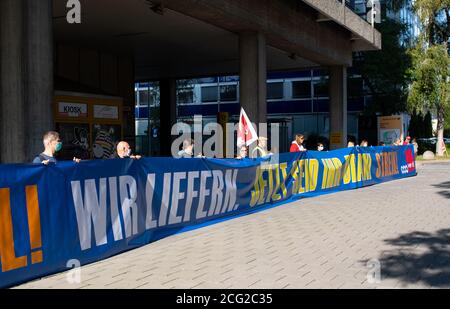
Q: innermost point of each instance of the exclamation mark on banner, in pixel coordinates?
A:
(8, 257)
(34, 224)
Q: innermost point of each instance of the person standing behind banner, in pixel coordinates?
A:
(364, 143)
(52, 145)
(261, 149)
(297, 144)
(416, 146)
(123, 151)
(407, 141)
(243, 151)
(188, 149)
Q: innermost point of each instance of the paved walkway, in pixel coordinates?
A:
(322, 242)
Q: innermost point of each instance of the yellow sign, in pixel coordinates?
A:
(336, 138)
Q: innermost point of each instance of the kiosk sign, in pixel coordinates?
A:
(74, 110)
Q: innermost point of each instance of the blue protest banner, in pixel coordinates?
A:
(50, 215)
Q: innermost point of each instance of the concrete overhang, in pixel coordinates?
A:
(291, 25)
(364, 36)
(191, 38)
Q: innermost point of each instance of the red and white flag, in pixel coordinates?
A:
(246, 134)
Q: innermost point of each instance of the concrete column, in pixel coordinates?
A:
(168, 112)
(338, 107)
(12, 111)
(39, 77)
(253, 75)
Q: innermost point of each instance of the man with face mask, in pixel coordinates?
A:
(123, 151)
(52, 145)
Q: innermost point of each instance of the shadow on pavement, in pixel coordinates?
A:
(446, 187)
(419, 258)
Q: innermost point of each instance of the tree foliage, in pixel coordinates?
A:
(430, 88)
(385, 72)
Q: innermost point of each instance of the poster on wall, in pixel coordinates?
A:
(390, 128)
(106, 112)
(75, 138)
(105, 139)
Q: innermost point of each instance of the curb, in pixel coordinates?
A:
(422, 163)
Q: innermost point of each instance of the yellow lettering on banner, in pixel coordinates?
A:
(276, 196)
(360, 167)
(301, 165)
(338, 171)
(306, 175)
(331, 173)
(7, 251)
(256, 191)
(367, 175)
(283, 167)
(294, 174)
(325, 173)
(269, 168)
(328, 173)
(312, 174)
(353, 167)
(347, 170)
(262, 187)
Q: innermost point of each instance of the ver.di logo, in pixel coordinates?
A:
(8, 258)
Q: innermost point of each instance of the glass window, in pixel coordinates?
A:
(355, 87)
(154, 97)
(209, 94)
(136, 97)
(143, 96)
(275, 91)
(185, 96)
(228, 93)
(301, 89)
(321, 88)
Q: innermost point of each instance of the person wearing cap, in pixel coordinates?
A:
(407, 141)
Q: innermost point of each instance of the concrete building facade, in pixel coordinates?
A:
(118, 43)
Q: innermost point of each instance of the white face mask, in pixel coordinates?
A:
(128, 153)
(320, 148)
